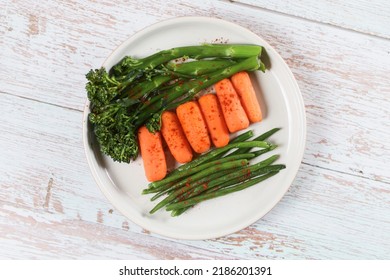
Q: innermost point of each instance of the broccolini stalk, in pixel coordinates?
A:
(103, 87)
(199, 67)
(169, 99)
(129, 66)
(143, 89)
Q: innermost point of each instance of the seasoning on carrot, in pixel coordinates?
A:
(244, 88)
(173, 135)
(152, 154)
(233, 112)
(215, 121)
(194, 126)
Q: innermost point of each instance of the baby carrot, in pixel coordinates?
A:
(233, 112)
(173, 135)
(215, 121)
(152, 154)
(243, 86)
(194, 126)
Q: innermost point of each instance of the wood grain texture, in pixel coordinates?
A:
(350, 14)
(50, 207)
(50, 47)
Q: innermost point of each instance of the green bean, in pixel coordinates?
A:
(163, 190)
(213, 153)
(200, 198)
(213, 187)
(185, 183)
(240, 175)
(178, 212)
(242, 137)
(187, 172)
(262, 137)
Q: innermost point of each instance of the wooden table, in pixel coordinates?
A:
(338, 207)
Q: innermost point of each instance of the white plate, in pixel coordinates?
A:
(282, 106)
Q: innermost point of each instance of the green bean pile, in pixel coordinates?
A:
(216, 173)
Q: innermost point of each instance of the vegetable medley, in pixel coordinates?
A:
(140, 105)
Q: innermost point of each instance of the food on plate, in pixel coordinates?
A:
(244, 88)
(136, 91)
(215, 153)
(141, 104)
(215, 121)
(233, 112)
(164, 184)
(173, 135)
(198, 179)
(211, 175)
(194, 126)
(152, 153)
(217, 188)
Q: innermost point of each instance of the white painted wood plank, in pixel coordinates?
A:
(46, 49)
(343, 75)
(46, 185)
(370, 17)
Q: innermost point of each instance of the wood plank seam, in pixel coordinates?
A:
(346, 173)
(41, 101)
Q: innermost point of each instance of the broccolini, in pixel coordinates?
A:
(135, 92)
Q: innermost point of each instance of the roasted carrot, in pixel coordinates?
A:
(215, 121)
(233, 112)
(194, 126)
(244, 88)
(173, 135)
(152, 154)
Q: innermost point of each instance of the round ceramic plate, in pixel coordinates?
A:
(282, 106)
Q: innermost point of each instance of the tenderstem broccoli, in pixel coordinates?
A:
(136, 91)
